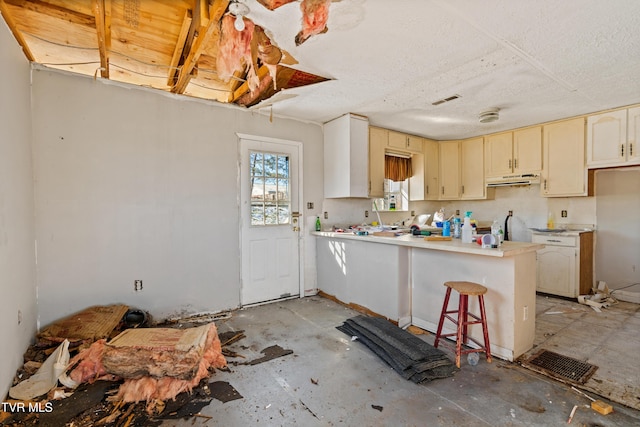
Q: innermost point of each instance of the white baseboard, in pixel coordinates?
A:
(627, 296)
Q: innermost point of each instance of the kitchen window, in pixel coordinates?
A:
(396, 196)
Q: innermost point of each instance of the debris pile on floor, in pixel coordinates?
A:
(600, 299)
(114, 368)
(407, 354)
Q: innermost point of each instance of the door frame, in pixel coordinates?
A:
(301, 220)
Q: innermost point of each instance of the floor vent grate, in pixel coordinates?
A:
(560, 367)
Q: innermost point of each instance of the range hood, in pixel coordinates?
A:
(515, 179)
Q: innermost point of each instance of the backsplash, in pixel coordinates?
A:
(530, 210)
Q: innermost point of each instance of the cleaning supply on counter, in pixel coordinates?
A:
(467, 232)
(496, 231)
(456, 227)
(446, 228)
(551, 221)
(318, 224)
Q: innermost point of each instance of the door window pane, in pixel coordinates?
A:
(270, 184)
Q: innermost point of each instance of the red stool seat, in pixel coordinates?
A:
(462, 319)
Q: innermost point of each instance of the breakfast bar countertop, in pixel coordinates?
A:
(507, 248)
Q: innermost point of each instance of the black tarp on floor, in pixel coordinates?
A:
(407, 354)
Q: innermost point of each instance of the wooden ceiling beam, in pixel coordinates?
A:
(17, 34)
(102, 12)
(244, 87)
(199, 41)
(180, 45)
(54, 11)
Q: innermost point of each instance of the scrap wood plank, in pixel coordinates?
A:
(93, 323)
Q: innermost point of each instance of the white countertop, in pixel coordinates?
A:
(455, 245)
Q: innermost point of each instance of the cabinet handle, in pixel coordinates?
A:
(463, 189)
(509, 163)
(553, 240)
(545, 184)
(515, 164)
(631, 149)
(443, 190)
(427, 188)
(622, 150)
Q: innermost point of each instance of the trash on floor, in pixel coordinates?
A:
(91, 324)
(597, 405)
(600, 299)
(407, 354)
(46, 378)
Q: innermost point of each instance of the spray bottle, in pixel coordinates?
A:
(467, 233)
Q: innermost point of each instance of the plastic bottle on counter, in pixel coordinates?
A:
(551, 221)
(456, 228)
(467, 232)
(318, 224)
(446, 229)
(495, 230)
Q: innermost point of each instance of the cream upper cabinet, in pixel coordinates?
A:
(517, 152)
(345, 157)
(612, 138)
(472, 169)
(498, 154)
(450, 170)
(527, 150)
(431, 169)
(377, 143)
(564, 168)
(405, 142)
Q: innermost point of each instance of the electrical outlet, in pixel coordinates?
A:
(137, 285)
(366, 214)
(510, 213)
(458, 212)
(563, 214)
(309, 205)
(525, 313)
(326, 215)
(413, 213)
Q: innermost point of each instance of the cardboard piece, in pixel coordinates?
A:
(91, 324)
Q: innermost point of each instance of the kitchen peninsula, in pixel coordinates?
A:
(401, 278)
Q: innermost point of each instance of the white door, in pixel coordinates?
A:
(270, 225)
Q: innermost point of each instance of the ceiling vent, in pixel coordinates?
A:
(443, 100)
(489, 116)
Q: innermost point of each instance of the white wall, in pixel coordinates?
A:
(618, 238)
(17, 263)
(138, 184)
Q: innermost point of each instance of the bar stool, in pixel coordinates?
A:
(462, 319)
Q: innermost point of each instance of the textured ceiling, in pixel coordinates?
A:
(537, 61)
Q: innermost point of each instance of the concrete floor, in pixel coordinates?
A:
(351, 379)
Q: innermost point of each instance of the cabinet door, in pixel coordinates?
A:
(527, 150)
(431, 170)
(414, 144)
(449, 170)
(564, 170)
(633, 136)
(397, 140)
(607, 138)
(472, 169)
(557, 271)
(498, 154)
(377, 142)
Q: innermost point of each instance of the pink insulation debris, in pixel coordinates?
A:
(234, 51)
(274, 4)
(315, 14)
(87, 365)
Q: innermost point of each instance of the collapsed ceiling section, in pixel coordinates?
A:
(201, 48)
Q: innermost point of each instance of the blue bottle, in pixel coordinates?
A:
(446, 229)
(456, 229)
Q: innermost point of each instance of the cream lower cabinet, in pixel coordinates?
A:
(612, 138)
(564, 170)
